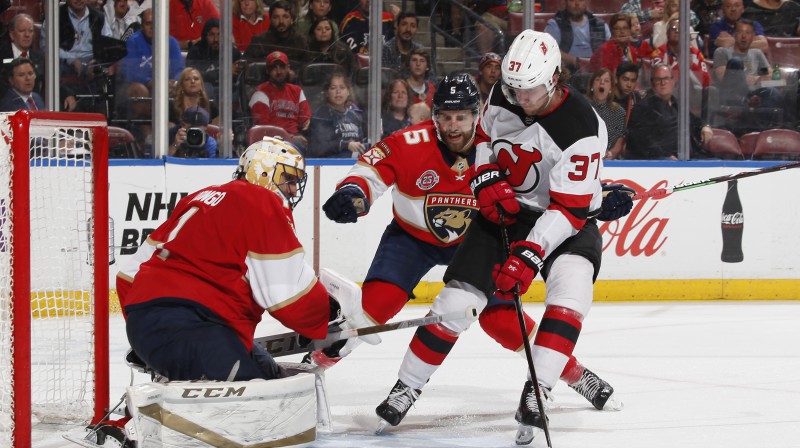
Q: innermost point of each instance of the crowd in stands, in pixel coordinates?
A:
(300, 65)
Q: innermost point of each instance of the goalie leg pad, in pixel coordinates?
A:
(348, 294)
(278, 412)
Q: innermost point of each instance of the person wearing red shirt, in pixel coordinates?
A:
(668, 54)
(618, 48)
(280, 103)
(187, 17)
(249, 19)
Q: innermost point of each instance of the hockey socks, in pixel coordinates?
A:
(382, 300)
(501, 324)
(555, 340)
(428, 349)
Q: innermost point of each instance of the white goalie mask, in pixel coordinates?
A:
(276, 165)
(531, 61)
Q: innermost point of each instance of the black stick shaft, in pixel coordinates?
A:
(525, 342)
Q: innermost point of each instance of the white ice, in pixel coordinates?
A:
(711, 375)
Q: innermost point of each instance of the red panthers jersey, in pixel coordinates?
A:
(432, 198)
(554, 161)
(235, 267)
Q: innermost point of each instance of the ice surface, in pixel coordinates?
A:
(711, 375)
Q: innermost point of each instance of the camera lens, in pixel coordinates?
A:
(195, 137)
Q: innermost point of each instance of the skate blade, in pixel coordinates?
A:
(526, 434)
(81, 441)
(382, 424)
(613, 403)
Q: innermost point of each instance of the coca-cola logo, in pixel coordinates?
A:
(642, 231)
(733, 218)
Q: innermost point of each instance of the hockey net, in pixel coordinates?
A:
(54, 257)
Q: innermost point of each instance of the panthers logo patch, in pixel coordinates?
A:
(449, 215)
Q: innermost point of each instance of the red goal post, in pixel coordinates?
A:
(54, 257)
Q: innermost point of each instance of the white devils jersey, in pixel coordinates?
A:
(553, 162)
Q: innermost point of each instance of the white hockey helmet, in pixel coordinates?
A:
(274, 163)
(531, 61)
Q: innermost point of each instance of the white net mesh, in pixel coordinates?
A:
(61, 275)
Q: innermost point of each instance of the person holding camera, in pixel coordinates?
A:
(190, 138)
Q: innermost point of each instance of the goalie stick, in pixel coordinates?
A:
(661, 192)
(285, 344)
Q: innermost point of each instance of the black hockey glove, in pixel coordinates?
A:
(346, 204)
(617, 202)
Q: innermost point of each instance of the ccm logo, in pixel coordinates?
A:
(213, 392)
(533, 257)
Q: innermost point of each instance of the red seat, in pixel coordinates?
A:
(256, 133)
(747, 143)
(724, 145)
(515, 23)
(122, 144)
(777, 144)
(34, 8)
(784, 51)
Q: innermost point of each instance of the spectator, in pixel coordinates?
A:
(282, 36)
(578, 33)
(618, 48)
(668, 54)
(707, 12)
(396, 100)
(20, 45)
(355, 28)
(780, 18)
(190, 137)
(190, 93)
(417, 74)
(187, 17)
(653, 127)
(21, 79)
(324, 46)
(489, 68)
(136, 71)
(280, 103)
(625, 93)
(740, 68)
(341, 8)
(418, 113)
(397, 49)
(721, 31)
(317, 9)
(120, 17)
(643, 48)
(80, 27)
(249, 20)
(644, 15)
(671, 11)
(601, 97)
(205, 57)
(337, 127)
(495, 12)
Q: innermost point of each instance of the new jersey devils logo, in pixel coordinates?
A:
(518, 163)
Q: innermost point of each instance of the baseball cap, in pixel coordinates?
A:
(277, 56)
(196, 116)
(488, 58)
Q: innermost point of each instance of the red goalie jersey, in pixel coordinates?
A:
(231, 248)
(432, 198)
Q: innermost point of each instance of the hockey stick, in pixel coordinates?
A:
(289, 344)
(661, 192)
(525, 342)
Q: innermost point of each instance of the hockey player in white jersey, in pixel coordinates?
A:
(540, 148)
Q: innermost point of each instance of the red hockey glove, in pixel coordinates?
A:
(492, 190)
(519, 270)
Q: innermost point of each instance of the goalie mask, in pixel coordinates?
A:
(276, 165)
(528, 68)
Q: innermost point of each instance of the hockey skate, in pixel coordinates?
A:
(103, 436)
(597, 391)
(395, 407)
(530, 419)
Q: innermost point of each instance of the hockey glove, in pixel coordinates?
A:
(492, 190)
(346, 204)
(617, 202)
(519, 270)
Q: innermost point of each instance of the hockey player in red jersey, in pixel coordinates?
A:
(539, 158)
(196, 289)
